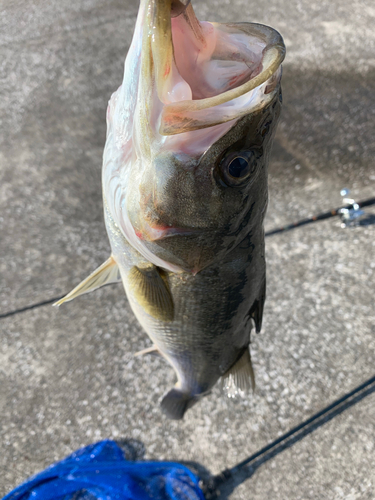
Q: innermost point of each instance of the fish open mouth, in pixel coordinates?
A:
(209, 73)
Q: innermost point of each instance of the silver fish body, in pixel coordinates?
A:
(185, 191)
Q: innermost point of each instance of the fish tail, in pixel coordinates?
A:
(175, 403)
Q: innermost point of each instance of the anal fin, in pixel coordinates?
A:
(107, 273)
(240, 377)
(151, 292)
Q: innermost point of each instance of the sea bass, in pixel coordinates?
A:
(189, 134)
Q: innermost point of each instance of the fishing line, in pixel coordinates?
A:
(303, 222)
(250, 464)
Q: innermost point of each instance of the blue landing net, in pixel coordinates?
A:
(101, 472)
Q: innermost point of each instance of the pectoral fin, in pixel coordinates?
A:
(240, 377)
(107, 273)
(151, 292)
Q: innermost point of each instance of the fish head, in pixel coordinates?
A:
(201, 106)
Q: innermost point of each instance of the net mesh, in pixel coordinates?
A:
(101, 472)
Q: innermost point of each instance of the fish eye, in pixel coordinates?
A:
(237, 168)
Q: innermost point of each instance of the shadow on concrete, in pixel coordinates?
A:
(133, 449)
(369, 220)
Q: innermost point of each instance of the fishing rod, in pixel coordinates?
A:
(348, 213)
(211, 487)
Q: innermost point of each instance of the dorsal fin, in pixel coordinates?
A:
(107, 273)
(240, 377)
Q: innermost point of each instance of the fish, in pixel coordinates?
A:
(189, 135)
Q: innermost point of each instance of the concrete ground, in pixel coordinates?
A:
(68, 376)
